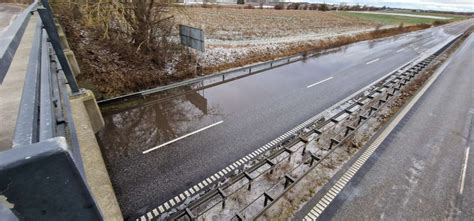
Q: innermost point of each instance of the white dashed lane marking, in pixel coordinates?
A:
(464, 168)
(375, 60)
(182, 137)
(319, 82)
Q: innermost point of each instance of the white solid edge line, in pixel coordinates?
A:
(375, 60)
(400, 50)
(182, 137)
(464, 168)
(391, 126)
(319, 82)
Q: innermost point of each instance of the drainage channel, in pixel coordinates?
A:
(251, 192)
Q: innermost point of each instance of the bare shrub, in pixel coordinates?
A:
(124, 46)
(324, 7)
(279, 7)
(313, 7)
(249, 6)
(293, 6)
(439, 22)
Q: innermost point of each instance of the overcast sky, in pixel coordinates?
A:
(442, 5)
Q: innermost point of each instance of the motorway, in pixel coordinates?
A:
(231, 120)
(424, 169)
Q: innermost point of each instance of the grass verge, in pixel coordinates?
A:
(390, 19)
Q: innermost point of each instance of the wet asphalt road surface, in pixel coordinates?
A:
(254, 110)
(423, 170)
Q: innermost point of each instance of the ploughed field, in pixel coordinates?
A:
(233, 35)
(248, 24)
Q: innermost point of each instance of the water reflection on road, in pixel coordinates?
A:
(165, 116)
(155, 122)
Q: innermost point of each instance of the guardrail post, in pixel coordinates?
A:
(190, 214)
(267, 198)
(48, 22)
(361, 118)
(348, 129)
(333, 141)
(318, 132)
(288, 180)
(239, 217)
(269, 162)
(247, 175)
(223, 195)
(289, 151)
(305, 140)
(313, 158)
(372, 109)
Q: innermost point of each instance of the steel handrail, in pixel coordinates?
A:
(11, 38)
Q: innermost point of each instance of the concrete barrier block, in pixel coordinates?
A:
(62, 36)
(93, 111)
(72, 62)
(88, 120)
(63, 39)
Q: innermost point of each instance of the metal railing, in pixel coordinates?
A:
(206, 81)
(42, 175)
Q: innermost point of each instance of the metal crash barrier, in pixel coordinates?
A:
(42, 175)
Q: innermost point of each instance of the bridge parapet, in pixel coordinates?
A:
(53, 168)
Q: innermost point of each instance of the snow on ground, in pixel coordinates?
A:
(233, 34)
(228, 51)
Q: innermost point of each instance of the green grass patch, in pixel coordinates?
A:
(390, 19)
(455, 17)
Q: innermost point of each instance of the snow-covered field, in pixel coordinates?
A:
(233, 34)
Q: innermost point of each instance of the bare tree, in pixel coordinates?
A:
(149, 23)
